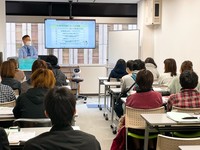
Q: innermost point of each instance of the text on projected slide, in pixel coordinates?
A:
(69, 34)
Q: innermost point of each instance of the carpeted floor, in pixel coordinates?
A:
(91, 120)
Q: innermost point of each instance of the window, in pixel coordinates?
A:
(15, 31)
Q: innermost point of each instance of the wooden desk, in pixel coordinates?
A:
(189, 147)
(108, 85)
(101, 80)
(161, 123)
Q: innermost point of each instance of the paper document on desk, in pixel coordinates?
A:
(6, 110)
(183, 117)
(17, 137)
(157, 89)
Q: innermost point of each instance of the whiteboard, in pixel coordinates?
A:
(123, 45)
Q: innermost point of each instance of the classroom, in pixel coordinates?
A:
(109, 74)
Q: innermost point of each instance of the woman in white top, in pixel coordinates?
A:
(152, 67)
(170, 72)
(175, 85)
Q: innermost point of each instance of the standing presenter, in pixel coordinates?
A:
(27, 51)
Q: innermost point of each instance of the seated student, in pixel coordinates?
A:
(128, 79)
(170, 72)
(175, 85)
(36, 65)
(6, 94)
(139, 64)
(60, 106)
(144, 98)
(19, 75)
(127, 82)
(151, 66)
(31, 103)
(119, 70)
(188, 97)
(8, 74)
(4, 144)
(59, 75)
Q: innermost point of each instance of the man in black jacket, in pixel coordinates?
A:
(60, 108)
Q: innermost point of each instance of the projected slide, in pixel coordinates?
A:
(69, 33)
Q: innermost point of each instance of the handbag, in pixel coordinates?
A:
(118, 104)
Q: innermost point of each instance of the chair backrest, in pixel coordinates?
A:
(133, 117)
(8, 104)
(27, 122)
(172, 143)
(186, 110)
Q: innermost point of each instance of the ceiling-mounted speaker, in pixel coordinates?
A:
(153, 12)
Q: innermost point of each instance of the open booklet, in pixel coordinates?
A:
(6, 110)
(183, 117)
(17, 137)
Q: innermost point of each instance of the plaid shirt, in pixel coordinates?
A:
(186, 98)
(6, 94)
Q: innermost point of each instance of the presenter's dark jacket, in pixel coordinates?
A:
(63, 138)
(30, 104)
(13, 83)
(4, 145)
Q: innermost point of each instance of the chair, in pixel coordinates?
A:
(76, 78)
(172, 143)
(134, 120)
(186, 110)
(189, 134)
(8, 104)
(27, 122)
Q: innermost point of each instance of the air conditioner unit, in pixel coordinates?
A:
(153, 12)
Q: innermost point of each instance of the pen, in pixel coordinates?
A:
(190, 118)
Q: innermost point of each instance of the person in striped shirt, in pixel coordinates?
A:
(6, 93)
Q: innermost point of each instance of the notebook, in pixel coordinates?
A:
(183, 117)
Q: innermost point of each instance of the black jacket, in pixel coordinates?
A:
(30, 104)
(13, 83)
(60, 77)
(4, 144)
(63, 138)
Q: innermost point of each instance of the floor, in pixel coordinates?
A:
(91, 120)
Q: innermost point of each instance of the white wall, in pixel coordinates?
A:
(179, 33)
(90, 74)
(2, 25)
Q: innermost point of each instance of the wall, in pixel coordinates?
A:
(90, 74)
(178, 36)
(2, 25)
